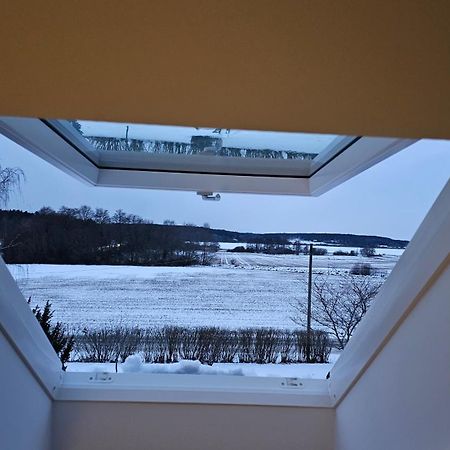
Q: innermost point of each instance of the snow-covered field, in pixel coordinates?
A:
(329, 248)
(241, 290)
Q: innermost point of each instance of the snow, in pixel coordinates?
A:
(378, 251)
(299, 263)
(231, 245)
(242, 290)
(134, 364)
(329, 248)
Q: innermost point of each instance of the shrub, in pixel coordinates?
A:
(368, 252)
(238, 249)
(342, 253)
(362, 269)
(206, 344)
(320, 346)
(319, 251)
(266, 345)
(61, 340)
(108, 344)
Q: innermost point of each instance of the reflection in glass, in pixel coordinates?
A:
(174, 140)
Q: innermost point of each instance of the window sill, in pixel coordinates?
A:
(199, 389)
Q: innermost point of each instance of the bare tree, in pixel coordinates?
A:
(101, 216)
(10, 178)
(339, 308)
(85, 212)
(368, 252)
(46, 211)
(120, 216)
(133, 218)
(69, 212)
(207, 252)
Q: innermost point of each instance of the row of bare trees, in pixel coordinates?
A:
(74, 236)
(206, 344)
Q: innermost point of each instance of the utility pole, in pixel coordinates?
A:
(308, 319)
(127, 143)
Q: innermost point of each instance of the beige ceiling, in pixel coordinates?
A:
(348, 67)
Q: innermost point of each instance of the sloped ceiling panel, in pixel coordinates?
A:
(357, 68)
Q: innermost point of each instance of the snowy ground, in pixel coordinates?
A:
(329, 248)
(316, 371)
(241, 290)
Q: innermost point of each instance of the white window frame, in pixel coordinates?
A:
(52, 146)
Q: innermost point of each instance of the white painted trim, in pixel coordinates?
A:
(362, 155)
(423, 261)
(34, 136)
(268, 177)
(24, 333)
(178, 388)
(203, 183)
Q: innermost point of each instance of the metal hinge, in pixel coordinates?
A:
(101, 377)
(292, 382)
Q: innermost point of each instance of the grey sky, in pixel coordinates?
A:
(390, 199)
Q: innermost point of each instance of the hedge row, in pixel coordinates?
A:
(206, 344)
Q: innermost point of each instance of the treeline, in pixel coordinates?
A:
(94, 236)
(208, 345)
(86, 236)
(296, 248)
(332, 239)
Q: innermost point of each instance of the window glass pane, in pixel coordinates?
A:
(202, 150)
(174, 140)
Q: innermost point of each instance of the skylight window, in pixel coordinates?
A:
(216, 150)
(175, 297)
(161, 290)
(199, 159)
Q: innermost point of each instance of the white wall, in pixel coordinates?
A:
(108, 425)
(25, 408)
(402, 401)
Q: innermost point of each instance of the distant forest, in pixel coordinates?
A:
(93, 236)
